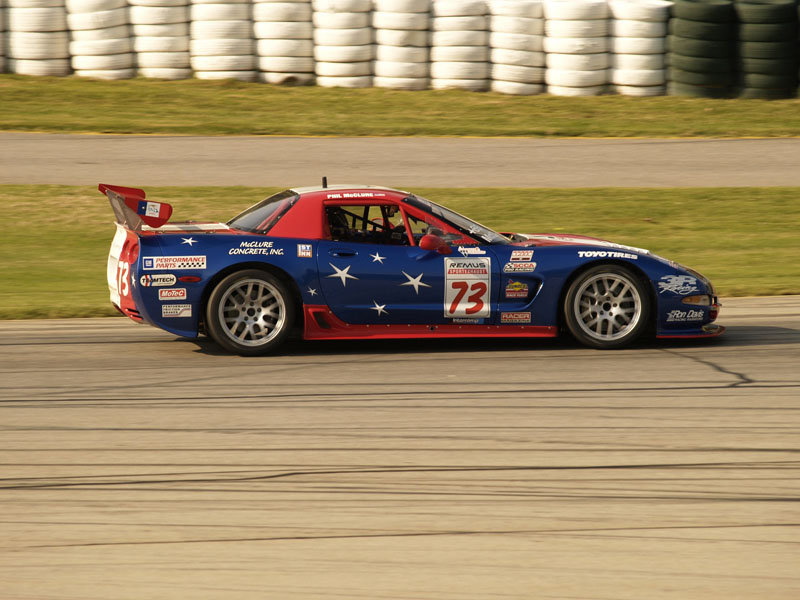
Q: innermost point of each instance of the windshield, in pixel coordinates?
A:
(261, 217)
(457, 221)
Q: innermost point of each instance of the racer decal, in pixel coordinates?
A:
(304, 251)
(414, 281)
(515, 317)
(606, 254)
(172, 294)
(342, 274)
(521, 255)
(176, 310)
(526, 267)
(467, 287)
(173, 263)
(516, 289)
(262, 248)
(675, 316)
(157, 280)
(683, 285)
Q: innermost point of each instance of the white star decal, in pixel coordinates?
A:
(189, 241)
(312, 291)
(473, 230)
(380, 308)
(415, 281)
(377, 257)
(342, 274)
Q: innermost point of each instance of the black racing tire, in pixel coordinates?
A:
(714, 11)
(768, 66)
(250, 312)
(703, 48)
(695, 78)
(768, 32)
(768, 94)
(675, 88)
(700, 64)
(787, 49)
(703, 30)
(607, 306)
(766, 11)
(759, 80)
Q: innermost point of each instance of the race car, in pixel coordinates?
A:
(365, 262)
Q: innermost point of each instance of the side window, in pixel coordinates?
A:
(367, 223)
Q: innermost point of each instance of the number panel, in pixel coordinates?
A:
(468, 282)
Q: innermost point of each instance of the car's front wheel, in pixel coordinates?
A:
(607, 306)
(250, 312)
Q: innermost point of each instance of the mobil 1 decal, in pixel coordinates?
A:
(467, 286)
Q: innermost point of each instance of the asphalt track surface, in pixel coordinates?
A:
(137, 465)
(141, 161)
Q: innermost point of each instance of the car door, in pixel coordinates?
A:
(396, 281)
(367, 283)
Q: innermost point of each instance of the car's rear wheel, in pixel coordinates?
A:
(250, 312)
(607, 306)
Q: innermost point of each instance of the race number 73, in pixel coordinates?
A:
(467, 287)
(123, 271)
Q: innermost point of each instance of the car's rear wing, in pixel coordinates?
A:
(132, 211)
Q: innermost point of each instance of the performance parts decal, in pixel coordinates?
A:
(173, 263)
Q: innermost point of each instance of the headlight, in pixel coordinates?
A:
(702, 300)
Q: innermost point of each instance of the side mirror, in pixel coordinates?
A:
(434, 242)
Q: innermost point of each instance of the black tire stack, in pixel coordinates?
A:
(701, 49)
(767, 48)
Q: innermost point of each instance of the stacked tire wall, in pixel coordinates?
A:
(702, 48)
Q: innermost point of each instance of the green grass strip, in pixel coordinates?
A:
(54, 239)
(195, 107)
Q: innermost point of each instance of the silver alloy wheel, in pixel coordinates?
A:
(607, 306)
(252, 312)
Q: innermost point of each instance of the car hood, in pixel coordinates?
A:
(554, 239)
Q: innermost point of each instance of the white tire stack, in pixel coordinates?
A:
(516, 48)
(101, 44)
(459, 45)
(576, 43)
(221, 44)
(402, 52)
(284, 46)
(37, 39)
(638, 32)
(343, 43)
(161, 38)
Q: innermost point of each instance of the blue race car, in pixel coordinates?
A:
(358, 262)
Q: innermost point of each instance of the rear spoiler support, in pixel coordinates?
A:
(132, 210)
